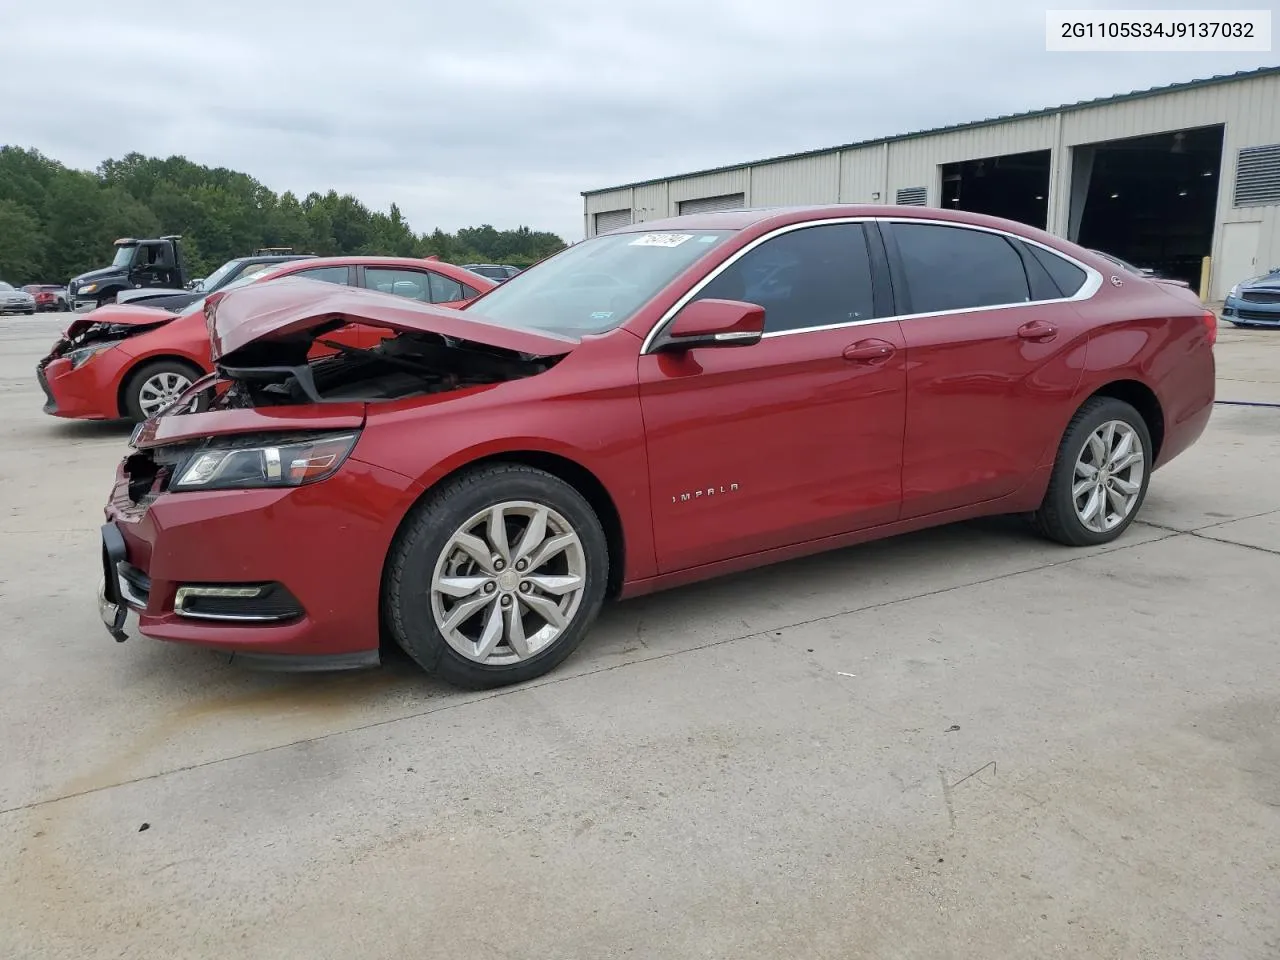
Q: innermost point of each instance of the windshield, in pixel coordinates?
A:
(598, 284)
(210, 283)
(124, 256)
(5, 286)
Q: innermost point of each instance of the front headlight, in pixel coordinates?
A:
(288, 461)
(1234, 291)
(87, 288)
(82, 355)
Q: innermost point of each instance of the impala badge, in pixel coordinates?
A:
(705, 492)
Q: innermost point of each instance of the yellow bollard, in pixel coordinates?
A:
(1204, 279)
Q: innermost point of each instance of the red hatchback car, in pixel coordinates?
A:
(132, 361)
(650, 407)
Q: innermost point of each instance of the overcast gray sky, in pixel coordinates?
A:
(502, 112)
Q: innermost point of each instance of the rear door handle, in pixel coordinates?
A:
(1037, 330)
(869, 351)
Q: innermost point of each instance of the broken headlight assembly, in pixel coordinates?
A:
(82, 355)
(234, 463)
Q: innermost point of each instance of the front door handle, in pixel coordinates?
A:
(1037, 330)
(869, 351)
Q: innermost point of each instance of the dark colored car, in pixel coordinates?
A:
(228, 273)
(127, 360)
(1255, 302)
(49, 297)
(650, 407)
(499, 272)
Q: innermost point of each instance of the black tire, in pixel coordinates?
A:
(1057, 518)
(423, 537)
(131, 399)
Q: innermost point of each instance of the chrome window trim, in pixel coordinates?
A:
(1092, 283)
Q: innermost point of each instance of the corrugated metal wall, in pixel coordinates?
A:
(1249, 109)
(796, 182)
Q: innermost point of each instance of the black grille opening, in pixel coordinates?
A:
(1270, 316)
(273, 603)
(1261, 296)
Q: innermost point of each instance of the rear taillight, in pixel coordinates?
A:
(1211, 326)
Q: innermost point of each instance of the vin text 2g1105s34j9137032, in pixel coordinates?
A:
(650, 407)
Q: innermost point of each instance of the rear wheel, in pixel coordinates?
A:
(496, 577)
(154, 386)
(1100, 476)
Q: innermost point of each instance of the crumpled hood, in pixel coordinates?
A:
(295, 307)
(123, 315)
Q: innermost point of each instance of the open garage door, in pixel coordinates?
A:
(728, 201)
(1149, 200)
(1014, 186)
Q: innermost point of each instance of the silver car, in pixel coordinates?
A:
(15, 301)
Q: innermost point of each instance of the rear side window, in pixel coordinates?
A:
(1066, 275)
(326, 274)
(955, 268)
(814, 277)
(444, 289)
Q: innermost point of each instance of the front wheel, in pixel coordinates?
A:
(1100, 476)
(154, 386)
(496, 577)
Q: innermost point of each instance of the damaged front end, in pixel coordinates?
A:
(407, 365)
(265, 339)
(84, 338)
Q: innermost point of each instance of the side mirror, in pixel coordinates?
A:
(715, 323)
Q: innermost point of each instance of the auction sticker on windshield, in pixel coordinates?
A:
(661, 239)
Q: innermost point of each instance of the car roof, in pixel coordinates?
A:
(768, 218)
(448, 269)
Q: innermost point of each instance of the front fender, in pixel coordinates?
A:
(599, 432)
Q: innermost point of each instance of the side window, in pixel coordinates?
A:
(812, 277)
(469, 293)
(411, 284)
(955, 268)
(254, 269)
(445, 289)
(1066, 275)
(326, 274)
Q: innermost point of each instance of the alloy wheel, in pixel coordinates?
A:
(1108, 476)
(160, 391)
(508, 583)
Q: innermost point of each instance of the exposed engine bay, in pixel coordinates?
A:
(85, 334)
(277, 372)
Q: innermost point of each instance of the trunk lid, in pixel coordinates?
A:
(293, 308)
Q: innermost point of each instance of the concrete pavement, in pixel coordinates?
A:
(961, 743)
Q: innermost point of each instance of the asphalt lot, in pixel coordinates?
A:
(962, 743)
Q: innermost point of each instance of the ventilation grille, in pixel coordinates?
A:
(1258, 176)
(728, 201)
(912, 196)
(612, 220)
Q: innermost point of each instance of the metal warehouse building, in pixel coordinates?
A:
(1163, 178)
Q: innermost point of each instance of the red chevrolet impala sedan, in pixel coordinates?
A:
(670, 402)
(123, 361)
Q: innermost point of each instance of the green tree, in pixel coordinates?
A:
(56, 222)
